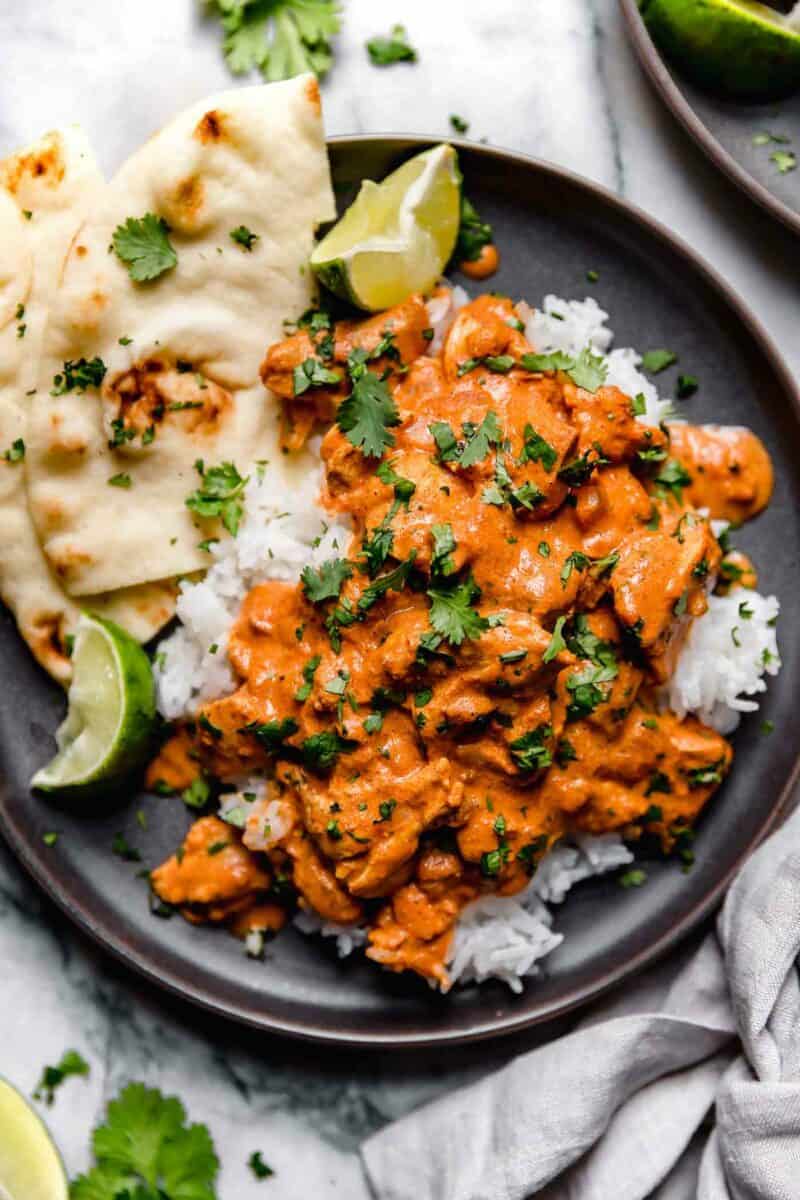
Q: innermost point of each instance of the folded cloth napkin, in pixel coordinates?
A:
(617, 1108)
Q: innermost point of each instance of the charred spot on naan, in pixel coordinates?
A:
(213, 126)
(312, 93)
(158, 391)
(47, 639)
(45, 164)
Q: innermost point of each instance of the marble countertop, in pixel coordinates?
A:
(554, 78)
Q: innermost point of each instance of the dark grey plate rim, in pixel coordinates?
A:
(671, 94)
(179, 983)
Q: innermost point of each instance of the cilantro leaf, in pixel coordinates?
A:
(536, 449)
(143, 244)
(395, 581)
(16, 451)
(220, 494)
(589, 370)
(321, 751)
(257, 1165)
(384, 51)
(673, 477)
(479, 440)
(578, 471)
(530, 752)
(280, 38)
(452, 614)
(70, 1063)
(78, 375)
(473, 234)
(654, 361)
(326, 582)
(313, 373)
(403, 488)
(557, 361)
(557, 643)
(367, 413)
(272, 734)
(146, 1150)
(444, 543)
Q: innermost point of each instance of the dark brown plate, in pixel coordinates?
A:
(725, 131)
(551, 227)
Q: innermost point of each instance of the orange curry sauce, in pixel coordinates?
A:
(477, 678)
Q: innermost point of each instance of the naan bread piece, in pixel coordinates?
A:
(45, 194)
(186, 385)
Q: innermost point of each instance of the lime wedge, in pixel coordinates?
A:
(739, 48)
(110, 715)
(30, 1166)
(396, 236)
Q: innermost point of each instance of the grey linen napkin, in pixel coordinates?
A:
(617, 1108)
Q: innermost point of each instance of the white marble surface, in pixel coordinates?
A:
(555, 78)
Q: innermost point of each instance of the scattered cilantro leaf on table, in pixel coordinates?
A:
(143, 244)
(71, 1063)
(385, 51)
(279, 38)
(146, 1151)
(784, 160)
(257, 1165)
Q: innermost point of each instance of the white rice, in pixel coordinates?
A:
(724, 659)
(720, 669)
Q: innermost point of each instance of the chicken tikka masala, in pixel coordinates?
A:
(476, 676)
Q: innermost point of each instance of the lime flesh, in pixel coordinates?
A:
(397, 235)
(110, 715)
(30, 1166)
(741, 49)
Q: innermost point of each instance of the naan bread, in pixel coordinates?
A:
(252, 157)
(45, 193)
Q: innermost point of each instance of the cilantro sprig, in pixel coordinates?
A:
(146, 1150)
(368, 413)
(279, 38)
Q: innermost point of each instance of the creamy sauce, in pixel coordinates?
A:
(420, 773)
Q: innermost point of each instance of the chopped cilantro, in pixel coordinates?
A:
(16, 451)
(70, 1063)
(78, 375)
(785, 160)
(686, 386)
(220, 494)
(257, 1165)
(122, 480)
(529, 752)
(312, 373)
(321, 751)
(557, 643)
(587, 371)
(123, 850)
(243, 237)
(585, 692)
(473, 234)
(385, 810)
(578, 471)
(143, 244)
(655, 361)
(639, 405)
(458, 124)
(309, 670)
(536, 449)
(403, 488)
(674, 478)
(394, 581)
(635, 877)
(272, 734)
(444, 544)
(395, 48)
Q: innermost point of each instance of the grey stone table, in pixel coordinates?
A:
(554, 78)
